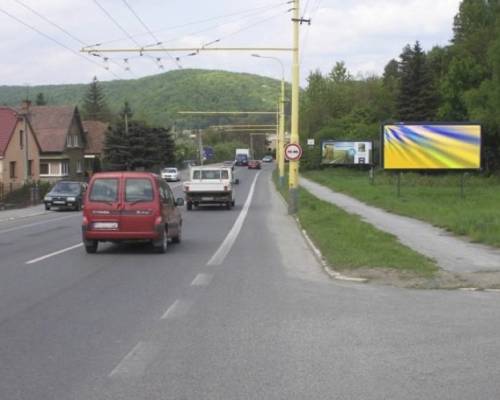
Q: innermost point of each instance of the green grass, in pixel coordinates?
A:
(347, 243)
(432, 198)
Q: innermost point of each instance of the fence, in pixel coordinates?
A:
(18, 194)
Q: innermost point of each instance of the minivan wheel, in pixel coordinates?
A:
(91, 246)
(177, 239)
(161, 244)
(47, 207)
(189, 206)
(78, 206)
(228, 205)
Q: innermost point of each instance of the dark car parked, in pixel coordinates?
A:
(67, 194)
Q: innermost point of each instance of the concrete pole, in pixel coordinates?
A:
(293, 180)
(281, 137)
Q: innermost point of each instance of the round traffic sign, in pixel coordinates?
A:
(293, 152)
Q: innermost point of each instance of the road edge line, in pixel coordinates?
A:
(228, 242)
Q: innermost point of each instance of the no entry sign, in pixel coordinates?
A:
(293, 152)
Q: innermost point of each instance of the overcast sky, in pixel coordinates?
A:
(365, 34)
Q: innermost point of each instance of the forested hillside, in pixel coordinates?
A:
(157, 98)
(458, 82)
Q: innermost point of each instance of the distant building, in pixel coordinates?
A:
(19, 149)
(60, 133)
(95, 134)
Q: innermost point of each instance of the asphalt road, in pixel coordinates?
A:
(253, 319)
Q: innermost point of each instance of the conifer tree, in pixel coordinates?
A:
(95, 106)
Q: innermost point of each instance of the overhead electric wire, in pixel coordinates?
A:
(117, 24)
(314, 10)
(65, 31)
(56, 41)
(175, 60)
(196, 22)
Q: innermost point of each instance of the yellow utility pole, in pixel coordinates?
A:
(280, 142)
(293, 178)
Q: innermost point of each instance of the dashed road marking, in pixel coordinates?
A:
(177, 309)
(37, 223)
(55, 253)
(134, 364)
(202, 280)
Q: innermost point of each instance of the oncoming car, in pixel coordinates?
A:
(254, 164)
(170, 174)
(66, 194)
(124, 206)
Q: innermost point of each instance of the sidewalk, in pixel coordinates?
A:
(9, 215)
(452, 253)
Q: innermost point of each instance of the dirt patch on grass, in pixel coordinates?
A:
(440, 280)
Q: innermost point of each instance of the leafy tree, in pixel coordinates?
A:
(340, 73)
(95, 106)
(40, 99)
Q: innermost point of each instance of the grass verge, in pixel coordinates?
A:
(432, 198)
(349, 244)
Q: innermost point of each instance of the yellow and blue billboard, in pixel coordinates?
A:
(431, 146)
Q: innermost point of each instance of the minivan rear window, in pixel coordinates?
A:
(104, 189)
(138, 189)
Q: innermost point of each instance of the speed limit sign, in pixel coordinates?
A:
(293, 152)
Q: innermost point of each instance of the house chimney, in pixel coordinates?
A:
(25, 107)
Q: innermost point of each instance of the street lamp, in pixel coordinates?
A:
(280, 145)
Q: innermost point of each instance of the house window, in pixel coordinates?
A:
(68, 141)
(44, 168)
(12, 169)
(30, 167)
(65, 168)
(21, 139)
(79, 167)
(75, 141)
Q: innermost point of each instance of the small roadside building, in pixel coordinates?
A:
(19, 150)
(95, 134)
(60, 133)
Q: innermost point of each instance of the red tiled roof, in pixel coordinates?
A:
(51, 125)
(8, 122)
(95, 135)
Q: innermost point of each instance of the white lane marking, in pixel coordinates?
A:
(177, 309)
(55, 253)
(37, 223)
(231, 237)
(134, 364)
(202, 280)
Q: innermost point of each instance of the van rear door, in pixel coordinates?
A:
(103, 206)
(140, 205)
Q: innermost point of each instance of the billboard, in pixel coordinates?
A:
(343, 152)
(431, 146)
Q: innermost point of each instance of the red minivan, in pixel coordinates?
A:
(130, 206)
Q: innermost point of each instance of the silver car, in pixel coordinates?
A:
(170, 174)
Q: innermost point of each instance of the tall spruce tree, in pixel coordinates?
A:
(40, 99)
(417, 97)
(139, 147)
(95, 106)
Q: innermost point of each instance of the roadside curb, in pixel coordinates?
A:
(317, 253)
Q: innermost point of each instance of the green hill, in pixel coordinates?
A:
(157, 98)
